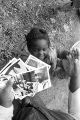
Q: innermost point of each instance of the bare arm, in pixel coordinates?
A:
(74, 89)
(6, 98)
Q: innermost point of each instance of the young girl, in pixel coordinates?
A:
(38, 44)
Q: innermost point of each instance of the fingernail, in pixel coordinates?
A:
(76, 60)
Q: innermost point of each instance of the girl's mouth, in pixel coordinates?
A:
(41, 57)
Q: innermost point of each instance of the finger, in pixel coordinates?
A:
(3, 78)
(76, 61)
(71, 64)
(2, 85)
(9, 83)
(73, 54)
(16, 70)
(78, 53)
(76, 65)
(8, 86)
(3, 81)
(69, 58)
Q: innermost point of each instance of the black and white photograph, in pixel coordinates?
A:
(15, 66)
(39, 59)
(35, 62)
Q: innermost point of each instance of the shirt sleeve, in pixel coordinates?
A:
(74, 104)
(6, 113)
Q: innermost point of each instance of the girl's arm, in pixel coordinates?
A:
(6, 98)
(74, 90)
(74, 104)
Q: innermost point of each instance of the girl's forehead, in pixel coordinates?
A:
(41, 42)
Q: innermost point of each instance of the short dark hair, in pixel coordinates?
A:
(36, 34)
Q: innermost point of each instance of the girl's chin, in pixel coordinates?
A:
(41, 58)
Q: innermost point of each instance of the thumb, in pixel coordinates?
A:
(9, 83)
(77, 65)
(78, 52)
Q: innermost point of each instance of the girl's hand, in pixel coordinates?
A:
(75, 76)
(62, 54)
(68, 63)
(6, 94)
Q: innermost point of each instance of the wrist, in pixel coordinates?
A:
(6, 103)
(74, 83)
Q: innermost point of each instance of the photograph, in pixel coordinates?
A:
(15, 66)
(39, 59)
(35, 62)
(46, 84)
(23, 89)
(40, 74)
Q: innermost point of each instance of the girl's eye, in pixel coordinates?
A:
(44, 49)
(36, 50)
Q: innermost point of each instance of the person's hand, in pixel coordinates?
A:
(62, 54)
(75, 74)
(6, 94)
(68, 63)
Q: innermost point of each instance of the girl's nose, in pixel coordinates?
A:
(41, 52)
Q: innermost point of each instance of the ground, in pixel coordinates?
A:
(62, 22)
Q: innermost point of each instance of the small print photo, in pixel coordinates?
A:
(42, 74)
(44, 85)
(15, 66)
(38, 75)
(35, 62)
(24, 89)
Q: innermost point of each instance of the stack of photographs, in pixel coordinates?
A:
(30, 77)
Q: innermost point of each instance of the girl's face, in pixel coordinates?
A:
(40, 49)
